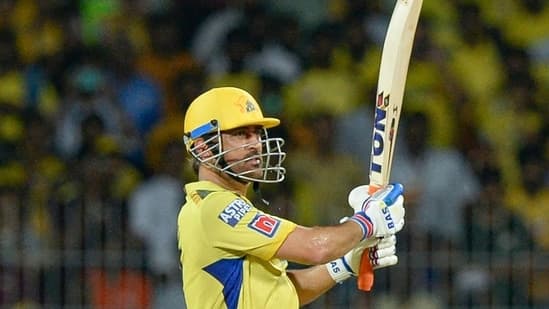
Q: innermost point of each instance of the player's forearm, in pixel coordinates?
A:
(310, 283)
(319, 245)
(334, 242)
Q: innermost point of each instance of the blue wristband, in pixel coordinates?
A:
(365, 223)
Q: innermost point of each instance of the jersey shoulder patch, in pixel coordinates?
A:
(234, 212)
(264, 224)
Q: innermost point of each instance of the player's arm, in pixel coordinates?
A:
(312, 282)
(318, 245)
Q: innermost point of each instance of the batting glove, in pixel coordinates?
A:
(384, 253)
(381, 214)
(381, 255)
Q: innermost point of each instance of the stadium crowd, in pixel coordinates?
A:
(92, 97)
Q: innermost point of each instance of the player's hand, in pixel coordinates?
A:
(384, 253)
(381, 255)
(381, 214)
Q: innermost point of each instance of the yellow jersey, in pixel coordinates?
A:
(227, 252)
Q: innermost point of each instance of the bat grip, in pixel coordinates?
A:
(365, 280)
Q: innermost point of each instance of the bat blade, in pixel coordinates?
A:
(395, 59)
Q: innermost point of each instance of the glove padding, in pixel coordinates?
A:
(381, 214)
(381, 255)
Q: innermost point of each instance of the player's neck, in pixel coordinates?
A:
(223, 180)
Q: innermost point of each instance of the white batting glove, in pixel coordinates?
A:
(384, 253)
(381, 214)
(381, 255)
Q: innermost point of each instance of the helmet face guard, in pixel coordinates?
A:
(271, 155)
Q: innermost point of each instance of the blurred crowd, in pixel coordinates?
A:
(92, 99)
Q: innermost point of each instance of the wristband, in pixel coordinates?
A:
(365, 223)
(339, 270)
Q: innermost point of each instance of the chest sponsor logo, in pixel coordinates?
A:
(234, 212)
(264, 224)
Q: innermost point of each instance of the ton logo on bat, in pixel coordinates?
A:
(379, 131)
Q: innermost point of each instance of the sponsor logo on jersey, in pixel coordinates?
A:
(234, 212)
(264, 224)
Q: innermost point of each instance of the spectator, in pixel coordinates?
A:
(280, 56)
(496, 240)
(93, 220)
(321, 87)
(11, 228)
(153, 209)
(475, 61)
(88, 94)
(209, 39)
(441, 183)
(167, 57)
(137, 93)
(16, 81)
(234, 65)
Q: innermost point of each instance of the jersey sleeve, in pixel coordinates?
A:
(232, 223)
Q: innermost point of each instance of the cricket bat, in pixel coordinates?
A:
(395, 58)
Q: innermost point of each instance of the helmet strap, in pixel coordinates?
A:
(257, 192)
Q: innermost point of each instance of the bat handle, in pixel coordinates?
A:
(365, 280)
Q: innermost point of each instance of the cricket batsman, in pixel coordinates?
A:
(235, 256)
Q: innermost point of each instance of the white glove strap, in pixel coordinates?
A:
(339, 270)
